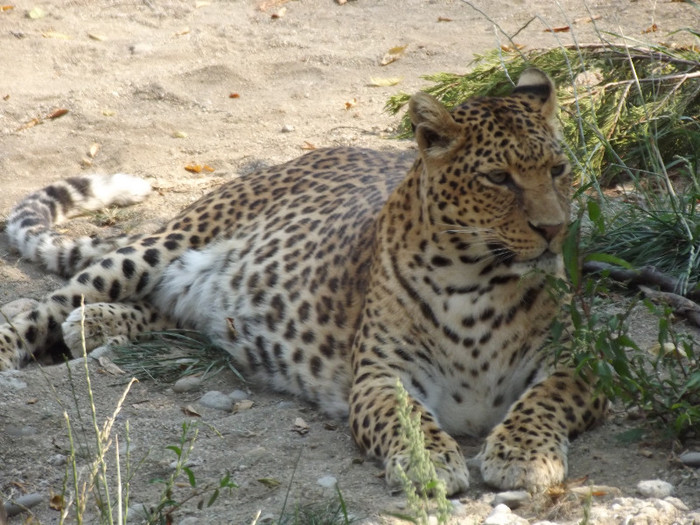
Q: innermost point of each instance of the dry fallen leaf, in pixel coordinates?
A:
(270, 483)
(94, 148)
(57, 113)
(510, 49)
(194, 168)
(392, 55)
(308, 146)
(6, 7)
(350, 103)
(108, 112)
(179, 135)
(32, 401)
(560, 29)
(29, 124)
(587, 19)
(56, 34)
(56, 502)
(201, 3)
(36, 13)
(384, 82)
(444, 19)
(279, 13)
(653, 28)
(183, 31)
(234, 95)
(97, 36)
(190, 411)
(6, 97)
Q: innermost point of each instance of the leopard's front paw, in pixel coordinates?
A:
(527, 461)
(90, 324)
(449, 467)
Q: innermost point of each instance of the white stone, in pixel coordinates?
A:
(187, 384)
(327, 482)
(511, 498)
(238, 395)
(9, 380)
(287, 128)
(217, 400)
(502, 515)
(655, 488)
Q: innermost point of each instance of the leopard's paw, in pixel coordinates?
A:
(90, 323)
(530, 463)
(450, 468)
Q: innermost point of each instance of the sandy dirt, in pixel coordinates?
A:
(153, 86)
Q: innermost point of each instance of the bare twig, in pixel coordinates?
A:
(681, 305)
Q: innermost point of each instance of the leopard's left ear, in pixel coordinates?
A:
(539, 89)
(435, 129)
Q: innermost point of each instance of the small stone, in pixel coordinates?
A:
(327, 482)
(190, 521)
(217, 400)
(655, 488)
(57, 460)
(22, 502)
(140, 48)
(502, 515)
(511, 498)
(187, 384)
(137, 513)
(287, 128)
(238, 395)
(690, 459)
(645, 452)
(241, 406)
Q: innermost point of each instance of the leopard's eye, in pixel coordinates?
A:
(557, 170)
(498, 177)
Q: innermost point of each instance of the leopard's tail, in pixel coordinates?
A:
(31, 222)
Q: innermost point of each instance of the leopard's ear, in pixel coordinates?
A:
(435, 129)
(539, 89)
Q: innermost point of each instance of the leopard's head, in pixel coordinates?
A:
(494, 173)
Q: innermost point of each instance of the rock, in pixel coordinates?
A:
(23, 502)
(677, 503)
(690, 459)
(140, 48)
(655, 488)
(137, 512)
(287, 128)
(327, 482)
(57, 460)
(502, 515)
(217, 400)
(238, 395)
(511, 498)
(187, 384)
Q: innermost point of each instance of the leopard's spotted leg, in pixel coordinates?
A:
(529, 448)
(375, 427)
(103, 323)
(126, 275)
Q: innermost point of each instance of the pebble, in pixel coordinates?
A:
(327, 482)
(502, 515)
(217, 400)
(655, 488)
(187, 384)
(690, 459)
(190, 521)
(140, 48)
(511, 498)
(238, 395)
(287, 128)
(22, 502)
(137, 513)
(57, 460)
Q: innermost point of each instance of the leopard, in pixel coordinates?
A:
(339, 274)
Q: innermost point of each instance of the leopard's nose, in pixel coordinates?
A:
(548, 231)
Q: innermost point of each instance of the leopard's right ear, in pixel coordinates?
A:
(435, 129)
(539, 88)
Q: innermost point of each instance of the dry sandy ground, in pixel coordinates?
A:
(154, 85)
